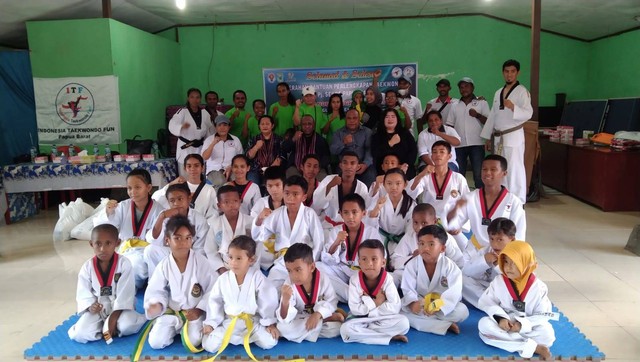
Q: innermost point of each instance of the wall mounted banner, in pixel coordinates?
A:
(342, 80)
(78, 110)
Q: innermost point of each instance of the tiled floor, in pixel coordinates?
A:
(581, 253)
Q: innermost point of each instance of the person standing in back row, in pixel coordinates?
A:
(442, 103)
(511, 109)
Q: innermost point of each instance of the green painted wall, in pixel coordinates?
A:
(225, 58)
(614, 67)
(146, 66)
(65, 48)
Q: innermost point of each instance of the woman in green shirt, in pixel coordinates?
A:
(282, 111)
(335, 116)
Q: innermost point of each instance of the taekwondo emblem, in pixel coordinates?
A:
(444, 282)
(454, 193)
(116, 277)
(74, 104)
(196, 291)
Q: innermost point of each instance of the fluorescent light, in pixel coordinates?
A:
(181, 4)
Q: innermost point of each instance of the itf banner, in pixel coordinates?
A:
(79, 110)
(342, 80)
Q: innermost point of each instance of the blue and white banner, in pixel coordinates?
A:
(342, 80)
(78, 110)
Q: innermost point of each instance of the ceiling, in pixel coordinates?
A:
(583, 19)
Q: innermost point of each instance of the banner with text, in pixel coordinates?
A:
(343, 80)
(78, 110)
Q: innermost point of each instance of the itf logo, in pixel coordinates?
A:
(74, 104)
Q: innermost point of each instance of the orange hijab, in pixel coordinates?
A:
(523, 257)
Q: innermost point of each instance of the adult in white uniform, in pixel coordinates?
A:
(191, 125)
(510, 110)
(467, 117)
(218, 151)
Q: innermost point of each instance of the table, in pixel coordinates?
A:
(19, 183)
(601, 176)
(31, 177)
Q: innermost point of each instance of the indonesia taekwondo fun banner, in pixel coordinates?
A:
(78, 110)
(343, 80)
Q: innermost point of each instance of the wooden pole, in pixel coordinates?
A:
(106, 8)
(535, 56)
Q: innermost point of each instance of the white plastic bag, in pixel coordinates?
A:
(83, 230)
(70, 216)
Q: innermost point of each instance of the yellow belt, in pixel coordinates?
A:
(132, 243)
(229, 332)
(432, 302)
(227, 336)
(184, 336)
(281, 252)
(475, 242)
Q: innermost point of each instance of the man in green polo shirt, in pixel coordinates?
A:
(238, 114)
(308, 106)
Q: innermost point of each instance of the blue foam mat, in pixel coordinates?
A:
(569, 344)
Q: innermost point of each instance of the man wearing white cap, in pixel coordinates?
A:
(510, 110)
(411, 103)
(467, 117)
(308, 106)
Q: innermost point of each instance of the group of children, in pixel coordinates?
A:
(319, 242)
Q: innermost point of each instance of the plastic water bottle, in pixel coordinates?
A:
(155, 150)
(107, 153)
(54, 152)
(34, 153)
(96, 150)
(72, 150)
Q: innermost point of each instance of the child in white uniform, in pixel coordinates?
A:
(393, 210)
(274, 181)
(158, 248)
(178, 288)
(432, 286)
(484, 204)
(340, 253)
(242, 296)
(308, 302)
(224, 228)
(106, 292)
(374, 301)
(422, 215)
(133, 218)
(329, 193)
(482, 267)
(517, 306)
(203, 195)
(249, 192)
(293, 223)
(440, 186)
